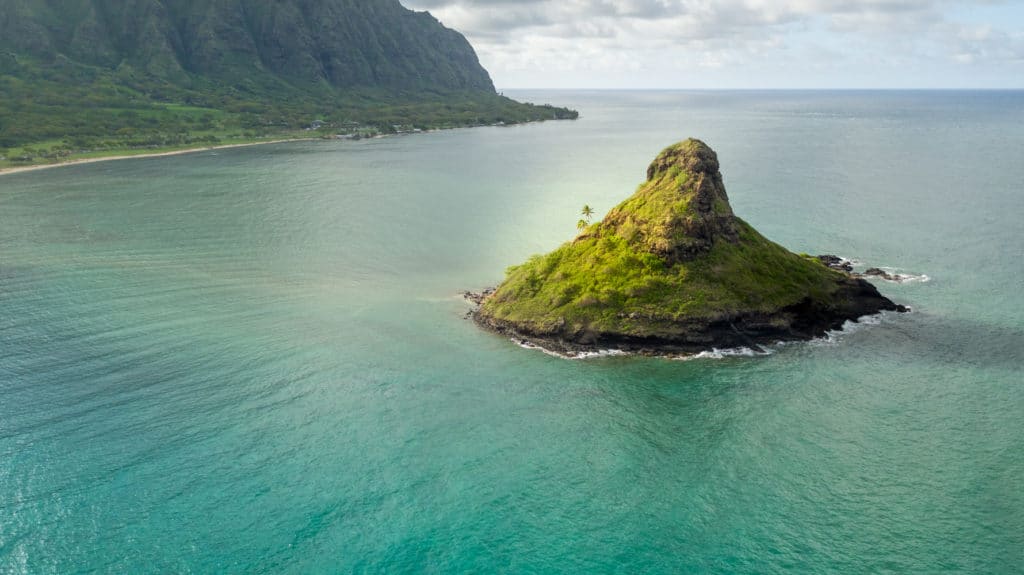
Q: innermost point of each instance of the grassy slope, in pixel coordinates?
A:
(608, 279)
(600, 282)
(45, 117)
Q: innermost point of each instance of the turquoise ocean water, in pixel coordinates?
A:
(255, 360)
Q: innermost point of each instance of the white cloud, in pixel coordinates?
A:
(751, 43)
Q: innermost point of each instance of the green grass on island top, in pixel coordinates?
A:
(607, 284)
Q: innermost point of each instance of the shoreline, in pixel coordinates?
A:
(122, 156)
(752, 330)
(754, 350)
(718, 342)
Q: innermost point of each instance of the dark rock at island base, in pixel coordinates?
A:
(477, 298)
(836, 263)
(672, 270)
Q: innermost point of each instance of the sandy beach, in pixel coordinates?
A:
(15, 170)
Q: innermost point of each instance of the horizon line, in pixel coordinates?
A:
(582, 89)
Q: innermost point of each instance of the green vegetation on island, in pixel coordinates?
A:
(671, 268)
(92, 77)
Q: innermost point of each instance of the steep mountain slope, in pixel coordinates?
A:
(268, 64)
(340, 43)
(671, 268)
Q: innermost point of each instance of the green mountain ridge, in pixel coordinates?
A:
(340, 43)
(95, 74)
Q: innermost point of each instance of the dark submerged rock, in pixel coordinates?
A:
(880, 273)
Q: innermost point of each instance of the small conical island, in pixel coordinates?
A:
(673, 270)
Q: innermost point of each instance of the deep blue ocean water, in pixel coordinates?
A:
(255, 360)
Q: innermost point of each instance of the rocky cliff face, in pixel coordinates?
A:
(342, 44)
(673, 269)
(682, 209)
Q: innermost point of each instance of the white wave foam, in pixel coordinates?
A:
(599, 353)
(901, 277)
(911, 278)
(569, 355)
(716, 353)
(849, 327)
(852, 261)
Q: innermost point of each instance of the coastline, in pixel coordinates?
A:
(123, 156)
(126, 155)
(750, 331)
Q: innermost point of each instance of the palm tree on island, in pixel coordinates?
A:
(587, 214)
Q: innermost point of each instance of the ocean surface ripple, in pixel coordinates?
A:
(252, 362)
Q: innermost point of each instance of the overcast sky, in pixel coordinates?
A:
(742, 43)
